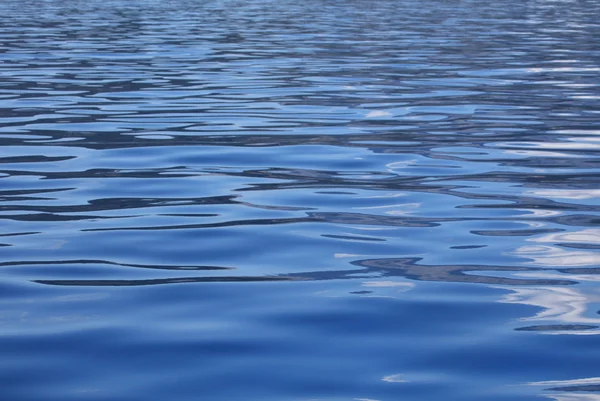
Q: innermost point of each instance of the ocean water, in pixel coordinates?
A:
(260, 200)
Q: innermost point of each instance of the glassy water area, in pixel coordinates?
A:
(388, 200)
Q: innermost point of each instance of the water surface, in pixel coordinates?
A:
(297, 201)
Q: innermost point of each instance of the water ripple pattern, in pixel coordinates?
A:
(299, 200)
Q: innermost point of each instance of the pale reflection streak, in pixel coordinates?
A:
(586, 236)
(555, 256)
(568, 307)
(552, 256)
(575, 397)
(572, 390)
(540, 153)
(538, 213)
(398, 209)
(398, 378)
(575, 194)
(575, 144)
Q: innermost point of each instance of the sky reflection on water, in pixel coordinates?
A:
(293, 201)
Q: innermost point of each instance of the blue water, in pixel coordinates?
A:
(388, 200)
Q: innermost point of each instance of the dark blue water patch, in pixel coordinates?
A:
(558, 327)
(460, 247)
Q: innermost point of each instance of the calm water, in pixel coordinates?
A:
(311, 200)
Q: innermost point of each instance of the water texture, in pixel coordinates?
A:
(311, 200)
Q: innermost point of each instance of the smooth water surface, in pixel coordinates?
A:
(311, 200)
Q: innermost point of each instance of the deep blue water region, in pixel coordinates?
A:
(260, 200)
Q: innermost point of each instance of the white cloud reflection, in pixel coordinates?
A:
(571, 309)
(587, 236)
(550, 255)
(398, 378)
(562, 305)
(562, 383)
(568, 306)
(575, 194)
(553, 256)
(378, 113)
